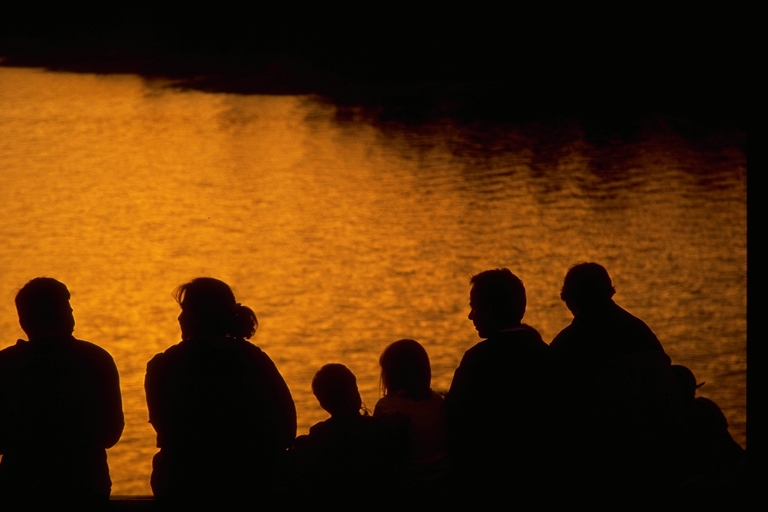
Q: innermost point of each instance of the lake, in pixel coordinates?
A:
(344, 235)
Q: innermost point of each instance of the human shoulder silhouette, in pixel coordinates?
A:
(417, 417)
(350, 454)
(60, 403)
(621, 407)
(498, 402)
(223, 414)
(601, 330)
(713, 450)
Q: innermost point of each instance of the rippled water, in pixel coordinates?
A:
(344, 236)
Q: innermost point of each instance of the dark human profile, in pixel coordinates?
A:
(60, 404)
(223, 414)
(623, 412)
(349, 455)
(498, 403)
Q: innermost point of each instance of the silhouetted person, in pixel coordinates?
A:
(498, 403)
(715, 457)
(623, 416)
(416, 415)
(60, 404)
(222, 412)
(601, 330)
(348, 456)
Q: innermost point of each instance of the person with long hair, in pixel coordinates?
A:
(222, 412)
(415, 413)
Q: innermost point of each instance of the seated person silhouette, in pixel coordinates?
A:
(349, 455)
(601, 331)
(60, 404)
(715, 456)
(415, 414)
(222, 412)
(498, 403)
(623, 414)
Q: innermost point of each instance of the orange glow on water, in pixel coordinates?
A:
(343, 238)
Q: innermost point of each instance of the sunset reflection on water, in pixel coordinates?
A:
(344, 236)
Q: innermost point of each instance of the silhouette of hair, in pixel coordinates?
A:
(405, 368)
(42, 302)
(335, 387)
(499, 292)
(587, 283)
(210, 306)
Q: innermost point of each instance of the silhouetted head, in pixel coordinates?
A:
(586, 285)
(497, 301)
(686, 382)
(208, 308)
(335, 387)
(44, 310)
(405, 369)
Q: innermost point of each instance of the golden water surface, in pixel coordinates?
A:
(344, 236)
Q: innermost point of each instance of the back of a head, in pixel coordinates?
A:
(405, 367)
(335, 387)
(43, 303)
(211, 308)
(686, 382)
(500, 293)
(586, 284)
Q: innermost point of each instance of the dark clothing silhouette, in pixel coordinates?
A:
(713, 447)
(597, 336)
(346, 458)
(60, 409)
(420, 427)
(499, 413)
(621, 414)
(223, 416)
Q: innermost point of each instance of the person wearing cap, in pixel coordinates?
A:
(712, 447)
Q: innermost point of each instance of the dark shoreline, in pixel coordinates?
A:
(412, 68)
(404, 102)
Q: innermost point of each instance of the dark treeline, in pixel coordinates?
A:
(407, 64)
